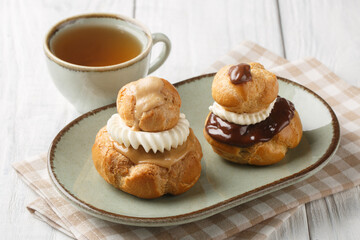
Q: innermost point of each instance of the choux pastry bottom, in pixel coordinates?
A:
(146, 179)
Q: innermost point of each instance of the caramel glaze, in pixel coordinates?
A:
(240, 73)
(147, 92)
(165, 159)
(248, 135)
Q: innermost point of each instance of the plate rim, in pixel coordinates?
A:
(181, 218)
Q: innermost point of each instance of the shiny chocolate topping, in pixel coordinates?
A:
(240, 73)
(248, 135)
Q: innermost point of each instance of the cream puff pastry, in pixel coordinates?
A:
(249, 123)
(147, 149)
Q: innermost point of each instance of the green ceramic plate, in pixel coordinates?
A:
(222, 185)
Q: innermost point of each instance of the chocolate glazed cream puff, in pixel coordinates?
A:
(249, 123)
(147, 149)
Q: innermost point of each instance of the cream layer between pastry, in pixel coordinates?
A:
(242, 118)
(155, 141)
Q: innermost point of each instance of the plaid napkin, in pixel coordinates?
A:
(256, 219)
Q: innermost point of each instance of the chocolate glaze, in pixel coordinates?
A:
(240, 73)
(248, 135)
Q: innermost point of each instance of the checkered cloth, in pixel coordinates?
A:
(256, 219)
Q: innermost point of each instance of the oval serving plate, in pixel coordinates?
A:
(222, 184)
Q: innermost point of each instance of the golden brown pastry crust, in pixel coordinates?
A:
(146, 180)
(248, 97)
(263, 153)
(159, 118)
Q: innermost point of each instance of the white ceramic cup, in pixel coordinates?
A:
(88, 87)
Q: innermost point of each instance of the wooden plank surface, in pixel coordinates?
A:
(200, 31)
(326, 29)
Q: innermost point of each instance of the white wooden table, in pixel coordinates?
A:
(33, 111)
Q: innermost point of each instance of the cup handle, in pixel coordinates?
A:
(159, 60)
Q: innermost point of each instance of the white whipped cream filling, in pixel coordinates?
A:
(156, 141)
(243, 118)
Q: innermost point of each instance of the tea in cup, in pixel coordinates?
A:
(91, 56)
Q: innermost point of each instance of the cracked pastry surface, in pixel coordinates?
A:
(248, 97)
(262, 153)
(150, 104)
(242, 93)
(150, 149)
(147, 179)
